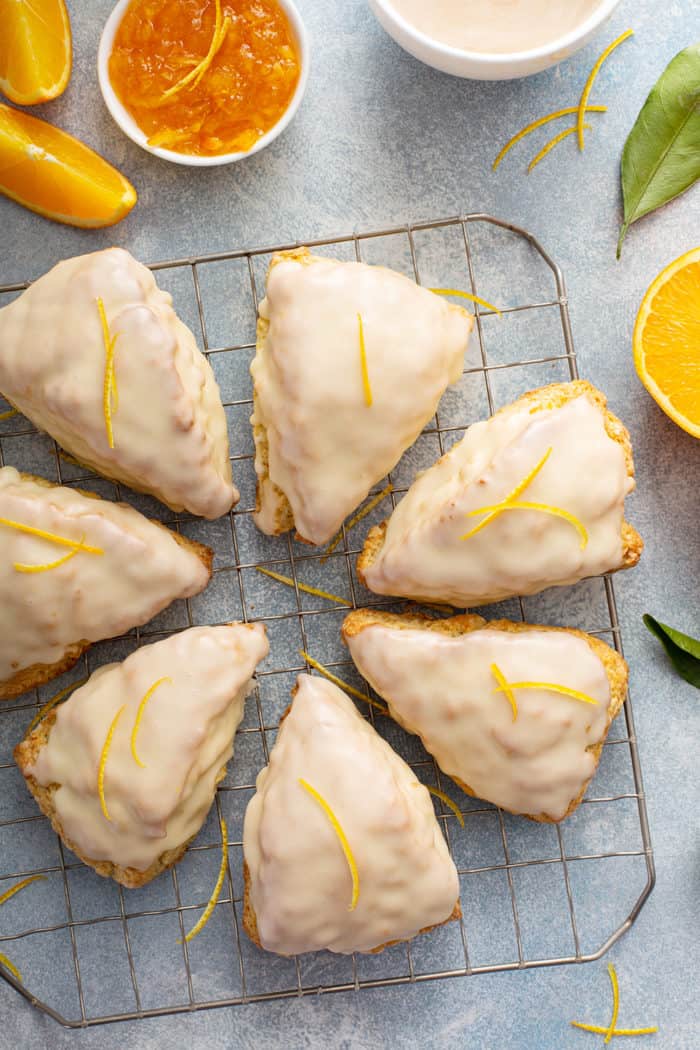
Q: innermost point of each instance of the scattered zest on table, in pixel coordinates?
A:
(450, 803)
(611, 1030)
(103, 762)
(139, 715)
(362, 513)
(3, 899)
(289, 582)
(529, 128)
(684, 651)
(50, 704)
(340, 683)
(11, 967)
(469, 296)
(546, 149)
(588, 87)
(9, 414)
(216, 893)
(341, 838)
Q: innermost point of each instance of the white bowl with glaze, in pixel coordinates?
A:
(480, 65)
(128, 125)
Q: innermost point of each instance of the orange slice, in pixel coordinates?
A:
(666, 341)
(35, 50)
(50, 172)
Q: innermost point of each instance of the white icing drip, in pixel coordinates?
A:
(300, 882)
(442, 688)
(326, 446)
(92, 596)
(520, 551)
(184, 739)
(170, 435)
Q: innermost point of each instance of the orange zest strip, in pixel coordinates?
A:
(585, 94)
(206, 914)
(20, 886)
(600, 1030)
(139, 714)
(201, 67)
(8, 415)
(367, 389)
(50, 704)
(551, 144)
(19, 566)
(62, 541)
(505, 688)
(529, 128)
(467, 295)
(498, 508)
(340, 683)
(616, 1002)
(341, 838)
(367, 509)
(103, 762)
(217, 47)
(551, 687)
(302, 586)
(544, 508)
(448, 802)
(109, 387)
(11, 967)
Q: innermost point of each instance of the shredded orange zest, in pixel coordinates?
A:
(467, 295)
(551, 144)
(616, 1002)
(206, 914)
(62, 541)
(447, 800)
(8, 415)
(341, 838)
(367, 509)
(505, 688)
(339, 682)
(551, 687)
(302, 586)
(50, 704)
(139, 714)
(109, 389)
(200, 69)
(539, 123)
(20, 886)
(503, 505)
(19, 566)
(585, 94)
(367, 389)
(10, 966)
(103, 762)
(599, 1030)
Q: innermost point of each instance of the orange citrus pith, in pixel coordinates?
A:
(50, 172)
(243, 91)
(667, 341)
(35, 50)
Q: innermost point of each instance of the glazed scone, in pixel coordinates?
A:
(300, 893)
(319, 444)
(163, 418)
(161, 770)
(533, 497)
(76, 569)
(490, 701)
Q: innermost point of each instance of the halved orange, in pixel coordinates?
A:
(50, 172)
(35, 50)
(666, 341)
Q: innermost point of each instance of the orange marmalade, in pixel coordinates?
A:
(204, 77)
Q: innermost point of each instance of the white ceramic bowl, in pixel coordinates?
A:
(129, 126)
(478, 65)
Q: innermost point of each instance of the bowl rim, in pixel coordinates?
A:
(131, 129)
(499, 58)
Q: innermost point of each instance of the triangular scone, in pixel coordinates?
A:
(75, 569)
(531, 498)
(158, 770)
(163, 413)
(320, 445)
(494, 702)
(331, 777)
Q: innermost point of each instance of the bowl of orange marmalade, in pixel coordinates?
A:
(203, 82)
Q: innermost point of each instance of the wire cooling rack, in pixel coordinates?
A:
(532, 894)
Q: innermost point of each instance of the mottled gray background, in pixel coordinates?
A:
(381, 139)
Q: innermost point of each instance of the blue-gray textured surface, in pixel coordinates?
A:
(381, 139)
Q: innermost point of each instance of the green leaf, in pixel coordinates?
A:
(683, 650)
(661, 158)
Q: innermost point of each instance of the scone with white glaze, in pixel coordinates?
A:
(533, 497)
(94, 354)
(514, 713)
(75, 569)
(341, 845)
(126, 768)
(350, 365)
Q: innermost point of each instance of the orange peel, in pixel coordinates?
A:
(366, 387)
(8, 415)
(450, 803)
(11, 967)
(103, 762)
(139, 715)
(585, 94)
(550, 146)
(340, 683)
(517, 491)
(61, 541)
(345, 845)
(50, 704)
(466, 295)
(302, 586)
(20, 886)
(503, 687)
(109, 389)
(552, 687)
(529, 128)
(19, 566)
(216, 893)
(367, 509)
(200, 69)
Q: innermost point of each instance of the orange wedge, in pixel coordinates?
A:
(50, 172)
(666, 341)
(35, 50)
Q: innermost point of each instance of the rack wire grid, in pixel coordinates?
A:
(532, 894)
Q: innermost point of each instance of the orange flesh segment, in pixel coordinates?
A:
(50, 172)
(243, 91)
(35, 50)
